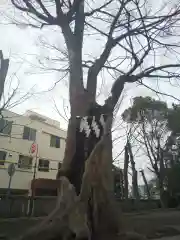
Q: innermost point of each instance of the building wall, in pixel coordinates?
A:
(15, 145)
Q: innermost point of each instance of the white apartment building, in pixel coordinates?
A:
(17, 134)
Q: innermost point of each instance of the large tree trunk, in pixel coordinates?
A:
(99, 211)
(98, 184)
(86, 208)
(82, 106)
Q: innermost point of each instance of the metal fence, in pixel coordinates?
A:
(13, 206)
(18, 206)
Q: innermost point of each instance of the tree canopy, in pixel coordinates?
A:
(158, 133)
(150, 109)
(174, 119)
(146, 107)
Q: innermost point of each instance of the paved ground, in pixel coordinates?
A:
(169, 238)
(152, 224)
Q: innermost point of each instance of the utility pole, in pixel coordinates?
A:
(134, 173)
(126, 162)
(161, 175)
(121, 184)
(4, 65)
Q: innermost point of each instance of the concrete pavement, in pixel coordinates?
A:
(169, 238)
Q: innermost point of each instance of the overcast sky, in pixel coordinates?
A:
(21, 45)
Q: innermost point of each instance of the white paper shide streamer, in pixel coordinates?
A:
(94, 126)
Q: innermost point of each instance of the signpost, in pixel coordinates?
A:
(11, 170)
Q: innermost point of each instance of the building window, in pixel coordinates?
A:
(5, 126)
(29, 134)
(25, 162)
(55, 141)
(2, 157)
(43, 165)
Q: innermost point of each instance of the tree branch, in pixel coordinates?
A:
(99, 63)
(88, 14)
(148, 71)
(31, 9)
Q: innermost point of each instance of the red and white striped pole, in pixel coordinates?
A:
(34, 149)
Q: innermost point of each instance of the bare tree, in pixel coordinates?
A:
(133, 35)
(152, 135)
(9, 96)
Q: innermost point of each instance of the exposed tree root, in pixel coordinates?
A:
(69, 220)
(66, 220)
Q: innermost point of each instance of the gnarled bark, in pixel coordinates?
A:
(93, 213)
(71, 217)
